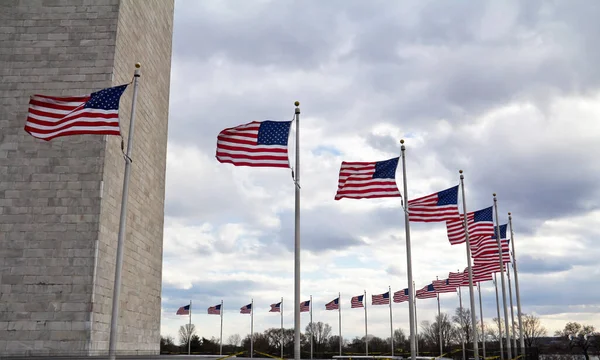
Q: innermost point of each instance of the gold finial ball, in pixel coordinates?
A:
(460, 171)
(494, 194)
(297, 103)
(401, 141)
(138, 65)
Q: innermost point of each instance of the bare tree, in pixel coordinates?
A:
(463, 322)
(496, 329)
(532, 330)
(580, 336)
(234, 340)
(322, 332)
(431, 331)
(185, 333)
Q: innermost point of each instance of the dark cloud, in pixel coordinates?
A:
(546, 264)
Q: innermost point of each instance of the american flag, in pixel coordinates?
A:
(477, 276)
(401, 295)
(443, 286)
(214, 310)
(97, 113)
(357, 301)
(485, 250)
(427, 292)
(380, 299)
(455, 278)
(368, 180)
(184, 310)
(305, 306)
(257, 144)
(439, 206)
(246, 309)
(333, 304)
(486, 271)
(275, 307)
(481, 224)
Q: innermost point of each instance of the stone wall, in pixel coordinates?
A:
(60, 200)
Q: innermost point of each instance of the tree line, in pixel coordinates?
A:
(456, 329)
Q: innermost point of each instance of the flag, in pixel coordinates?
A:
(368, 180)
(246, 309)
(357, 301)
(275, 307)
(214, 310)
(427, 292)
(184, 310)
(439, 206)
(305, 306)
(333, 304)
(481, 224)
(479, 275)
(443, 286)
(455, 278)
(97, 113)
(257, 144)
(381, 299)
(401, 296)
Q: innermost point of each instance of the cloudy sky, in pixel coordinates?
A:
(507, 91)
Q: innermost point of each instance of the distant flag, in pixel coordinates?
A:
(401, 295)
(479, 275)
(246, 309)
(439, 206)
(333, 304)
(184, 310)
(443, 286)
(276, 307)
(427, 292)
(455, 278)
(256, 144)
(214, 310)
(381, 299)
(305, 306)
(97, 113)
(368, 180)
(481, 224)
(357, 301)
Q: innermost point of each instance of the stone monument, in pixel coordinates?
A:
(60, 199)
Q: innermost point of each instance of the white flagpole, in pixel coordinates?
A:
(507, 329)
(312, 329)
(416, 329)
(462, 338)
(282, 334)
(512, 313)
(114, 320)
(252, 328)
(514, 258)
(297, 240)
(471, 291)
(440, 322)
(391, 322)
(499, 319)
(340, 319)
(366, 332)
(190, 330)
(481, 315)
(221, 336)
(411, 295)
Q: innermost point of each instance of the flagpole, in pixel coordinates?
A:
(340, 319)
(501, 260)
(366, 333)
(471, 291)
(411, 295)
(512, 313)
(481, 315)
(221, 336)
(462, 338)
(439, 322)
(312, 334)
(190, 331)
(514, 258)
(252, 328)
(499, 319)
(297, 240)
(112, 346)
(391, 322)
(416, 330)
(281, 313)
